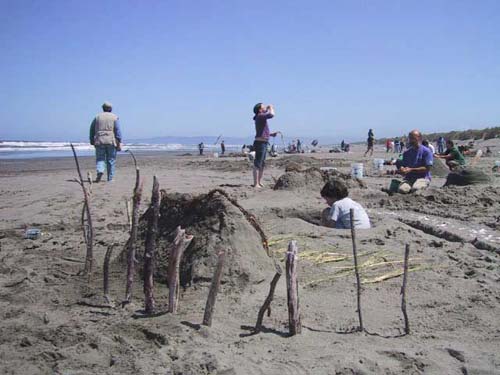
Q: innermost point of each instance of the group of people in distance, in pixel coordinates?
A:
(397, 145)
(335, 192)
(414, 164)
(201, 147)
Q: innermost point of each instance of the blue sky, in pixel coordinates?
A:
(331, 68)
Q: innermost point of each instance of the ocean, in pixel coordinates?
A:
(29, 150)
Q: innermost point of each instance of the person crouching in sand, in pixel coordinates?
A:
(337, 215)
(261, 114)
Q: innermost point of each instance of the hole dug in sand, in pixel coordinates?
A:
(217, 222)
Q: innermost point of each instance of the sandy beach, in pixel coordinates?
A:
(453, 290)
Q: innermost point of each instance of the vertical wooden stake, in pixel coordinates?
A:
(358, 281)
(88, 232)
(269, 299)
(150, 244)
(89, 179)
(133, 237)
(129, 215)
(403, 289)
(105, 271)
(214, 288)
(295, 325)
(181, 242)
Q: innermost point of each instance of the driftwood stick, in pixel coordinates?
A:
(77, 164)
(89, 180)
(267, 303)
(403, 289)
(133, 157)
(133, 238)
(181, 242)
(105, 271)
(150, 247)
(84, 223)
(129, 215)
(214, 288)
(295, 325)
(88, 233)
(356, 271)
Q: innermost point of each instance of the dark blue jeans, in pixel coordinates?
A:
(105, 159)
(260, 149)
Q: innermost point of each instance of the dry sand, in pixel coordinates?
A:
(453, 286)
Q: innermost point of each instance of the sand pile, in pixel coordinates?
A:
(293, 167)
(312, 179)
(305, 162)
(439, 168)
(216, 222)
(221, 164)
(467, 176)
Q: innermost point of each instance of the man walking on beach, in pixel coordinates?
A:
(261, 114)
(106, 137)
(370, 141)
(415, 165)
(222, 148)
(440, 143)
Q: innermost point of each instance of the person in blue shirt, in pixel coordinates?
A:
(415, 165)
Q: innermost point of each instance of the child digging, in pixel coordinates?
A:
(337, 215)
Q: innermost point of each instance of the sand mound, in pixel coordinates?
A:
(216, 222)
(293, 167)
(306, 161)
(467, 176)
(302, 160)
(313, 179)
(439, 168)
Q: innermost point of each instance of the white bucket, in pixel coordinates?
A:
(216, 154)
(357, 170)
(378, 164)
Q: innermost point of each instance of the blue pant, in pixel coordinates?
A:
(105, 156)
(260, 149)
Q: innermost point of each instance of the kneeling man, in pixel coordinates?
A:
(415, 165)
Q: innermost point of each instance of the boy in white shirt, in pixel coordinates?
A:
(337, 216)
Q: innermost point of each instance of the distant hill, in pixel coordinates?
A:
(461, 135)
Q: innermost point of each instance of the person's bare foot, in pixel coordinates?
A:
(257, 186)
(260, 185)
